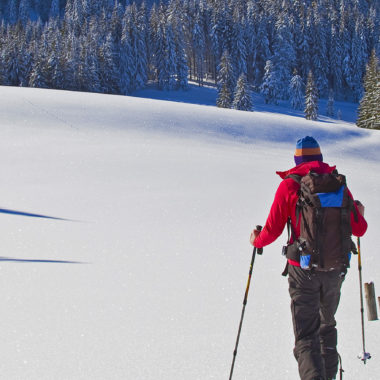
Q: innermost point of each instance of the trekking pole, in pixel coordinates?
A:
(364, 356)
(341, 370)
(259, 251)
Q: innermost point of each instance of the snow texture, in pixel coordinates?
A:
(147, 277)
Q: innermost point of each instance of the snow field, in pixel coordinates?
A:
(148, 281)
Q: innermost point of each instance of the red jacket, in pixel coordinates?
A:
(284, 205)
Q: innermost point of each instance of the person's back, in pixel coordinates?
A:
(315, 292)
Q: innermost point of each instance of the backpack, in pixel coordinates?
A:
(324, 211)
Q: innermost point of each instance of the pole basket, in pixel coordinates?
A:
(364, 356)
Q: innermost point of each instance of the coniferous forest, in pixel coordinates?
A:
(116, 47)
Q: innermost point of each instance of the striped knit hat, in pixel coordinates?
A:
(307, 149)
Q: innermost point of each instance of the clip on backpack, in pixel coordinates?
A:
(324, 212)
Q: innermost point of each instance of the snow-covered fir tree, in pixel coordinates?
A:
(199, 46)
(182, 68)
(224, 99)
(269, 84)
(12, 64)
(358, 56)
(242, 96)
(336, 62)
(311, 98)
(141, 22)
(296, 92)
(109, 72)
(239, 50)
(369, 108)
(261, 51)
(226, 81)
(171, 57)
(163, 45)
(284, 57)
(319, 51)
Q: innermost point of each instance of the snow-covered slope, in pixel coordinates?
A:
(148, 279)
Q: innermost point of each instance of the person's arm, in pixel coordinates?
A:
(359, 226)
(276, 220)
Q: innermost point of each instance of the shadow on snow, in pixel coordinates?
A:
(10, 259)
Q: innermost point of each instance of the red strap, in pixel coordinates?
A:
(295, 263)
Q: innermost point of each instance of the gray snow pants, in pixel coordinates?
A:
(314, 302)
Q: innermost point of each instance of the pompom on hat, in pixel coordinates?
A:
(307, 149)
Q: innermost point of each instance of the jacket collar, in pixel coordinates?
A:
(304, 168)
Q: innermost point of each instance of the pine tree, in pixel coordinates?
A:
(330, 104)
(304, 46)
(199, 45)
(77, 17)
(269, 86)
(161, 51)
(358, 59)
(336, 62)
(37, 78)
(92, 53)
(319, 52)
(262, 51)
(127, 66)
(25, 61)
(239, 48)
(109, 79)
(250, 38)
(182, 68)
(242, 96)
(134, 49)
(171, 57)
(11, 59)
(369, 108)
(284, 57)
(311, 98)
(296, 92)
(152, 42)
(142, 48)
(224, 97)
(225, 81)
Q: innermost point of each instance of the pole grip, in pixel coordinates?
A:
(259, 250)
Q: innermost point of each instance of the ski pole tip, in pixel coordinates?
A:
(364, 356)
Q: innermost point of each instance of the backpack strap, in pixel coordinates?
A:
(295, 177)
(353, 209)
(286, 269)
(291, 231)
(291, 237)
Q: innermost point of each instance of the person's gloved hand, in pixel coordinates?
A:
(361, 207)
(254, 235)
